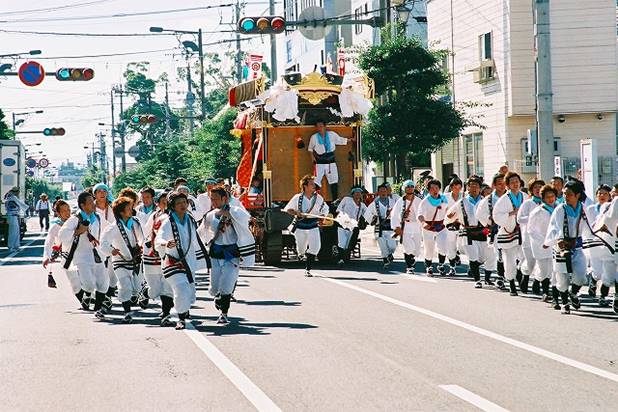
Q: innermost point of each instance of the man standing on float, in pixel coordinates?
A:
(322, 146)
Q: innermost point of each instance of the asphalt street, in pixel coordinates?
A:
(353, 338)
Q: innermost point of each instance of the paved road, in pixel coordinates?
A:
(354, 338)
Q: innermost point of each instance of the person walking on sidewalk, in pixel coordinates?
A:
(43, 208)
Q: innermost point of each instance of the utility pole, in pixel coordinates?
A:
(200, 51)
(102, 156)
(111, 95)
(190, 98)
(238, 51)
(544, 92)
(167, 112)
(273, 47)
(123, 164)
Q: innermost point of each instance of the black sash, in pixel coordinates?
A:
(404, 215)
(384, 223)
(325, 158)
(471, 232)
(172, 267)
(517, 230)
(305, 223)
(136, 256)
(71, 254)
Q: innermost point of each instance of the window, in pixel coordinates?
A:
(473, 154)
(359, 13)
(485, 46)
(288, 51)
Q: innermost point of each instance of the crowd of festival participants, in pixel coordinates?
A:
(548, 239)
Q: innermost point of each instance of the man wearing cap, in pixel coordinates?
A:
(203, 200)
(354, 207)
(322, 145)
(13, 206)
(406, 226)
(43, 208)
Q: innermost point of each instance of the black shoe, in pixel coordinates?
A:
(478, 285)
(500, 284)
(442, 269)
(536, 287)
(99, 314)
(127, 318)
(107, 303)
(566, 310)
(167, 321)
(223, 320)
(556, 305)
(519, 276)
(180, 325)
(546, 298)
(512, 288)
(134, 300)
(603, 302)
(523, 284)
(575, 302)
(143, 301)
(86, 303)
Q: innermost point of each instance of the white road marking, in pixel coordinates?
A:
(9, 258)
(249, 389)
(481, 403)
(421, 278)
(492, 335)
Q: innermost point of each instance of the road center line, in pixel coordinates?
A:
(472, 398)
(250, 390)
(509, 341)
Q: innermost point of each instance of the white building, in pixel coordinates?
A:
(494, 64)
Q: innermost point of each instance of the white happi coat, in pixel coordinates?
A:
(354, 211)
(411, 237)
(308, 240)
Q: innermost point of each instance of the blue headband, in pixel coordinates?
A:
(356, 190)
(103, 186)
(407, 183)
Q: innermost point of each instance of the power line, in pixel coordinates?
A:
(56, 8)
(105, 55)
(50, 33)
(117, 15)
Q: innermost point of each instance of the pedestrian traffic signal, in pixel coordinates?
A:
(143, 118)
(54, 131)
(261, 25)
(75, 75)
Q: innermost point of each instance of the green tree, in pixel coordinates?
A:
(5, 132)
(410, 120)
(36, 187)
(93, 176)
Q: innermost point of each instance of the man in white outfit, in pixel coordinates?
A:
(406, 226)
(379, 215)
(322, 145)
(353, 207)
(80, 236)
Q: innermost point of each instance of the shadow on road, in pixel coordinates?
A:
(238, 327)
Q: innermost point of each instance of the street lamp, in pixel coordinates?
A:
(20, 121)
(195, 48)
(31, 53)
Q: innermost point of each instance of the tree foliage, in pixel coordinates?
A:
(5, 132)
(36, 187)
(409, 120)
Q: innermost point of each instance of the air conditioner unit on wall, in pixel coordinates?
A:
(485, 72)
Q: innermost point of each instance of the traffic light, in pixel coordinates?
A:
(54, 131)
(74, 74)
(261, 25)
(143, 119)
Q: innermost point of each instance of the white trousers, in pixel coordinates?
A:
(480, 251)
(128, 284)
(412, 243)
(544, 269)
(451, 243)
(113, 279)
(509, 258)
(73, 277)
(386, 243)
(157, 285)
(13, 240)
(93, 277)
(307, 241)
(439, 240)
(184, 292)
(328, 170)
(223, 276)
(343, 237)
(527, 265)
(578, 277)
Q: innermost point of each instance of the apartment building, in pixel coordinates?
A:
(493, 64)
